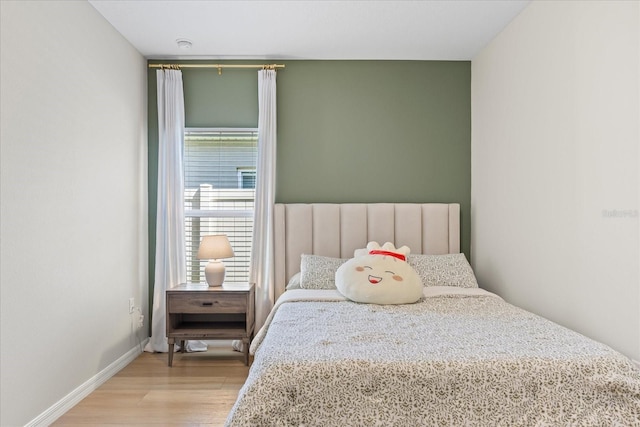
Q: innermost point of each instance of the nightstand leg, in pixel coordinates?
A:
(171, 344)
(245, 347)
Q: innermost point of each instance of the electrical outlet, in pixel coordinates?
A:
(132, 304)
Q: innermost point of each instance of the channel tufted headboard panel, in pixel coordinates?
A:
(336, 230)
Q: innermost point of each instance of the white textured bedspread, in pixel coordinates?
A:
(455, 358)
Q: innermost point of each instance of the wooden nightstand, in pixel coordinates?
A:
(196, 311)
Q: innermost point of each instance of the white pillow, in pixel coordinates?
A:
(444, 270)
(319, 272)
(294, 282)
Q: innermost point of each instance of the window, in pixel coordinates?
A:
(246, 178)
(220, 176)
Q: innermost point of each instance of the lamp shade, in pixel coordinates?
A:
(215, 247)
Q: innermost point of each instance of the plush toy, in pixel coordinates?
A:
(379, 275)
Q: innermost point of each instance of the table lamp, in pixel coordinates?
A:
(215, 248)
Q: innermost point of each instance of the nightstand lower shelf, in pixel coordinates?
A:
(204, 329)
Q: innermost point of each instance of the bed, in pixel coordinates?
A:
(460, 356)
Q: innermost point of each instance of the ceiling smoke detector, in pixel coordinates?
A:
(184, 44)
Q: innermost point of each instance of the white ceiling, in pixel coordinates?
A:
(318, 29)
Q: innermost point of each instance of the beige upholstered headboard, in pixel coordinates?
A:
(336, 230)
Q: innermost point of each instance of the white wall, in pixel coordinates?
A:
(74, 244)
(555, 182)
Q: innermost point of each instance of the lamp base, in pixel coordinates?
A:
(214, 273)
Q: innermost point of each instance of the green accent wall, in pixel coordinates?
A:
(348, 131)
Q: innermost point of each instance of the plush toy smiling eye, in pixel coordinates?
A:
(395, 276)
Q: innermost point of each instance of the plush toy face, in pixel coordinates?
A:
(379, 276)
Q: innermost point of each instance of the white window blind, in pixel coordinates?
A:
(219, 172)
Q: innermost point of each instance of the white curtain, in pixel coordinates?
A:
(170, 245)
(261, 271)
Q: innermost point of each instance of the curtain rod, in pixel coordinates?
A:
(218, 66)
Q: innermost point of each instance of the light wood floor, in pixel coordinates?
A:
(199, 390)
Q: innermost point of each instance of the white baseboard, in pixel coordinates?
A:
(70, 400)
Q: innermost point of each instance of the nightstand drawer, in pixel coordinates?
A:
(208, 303)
